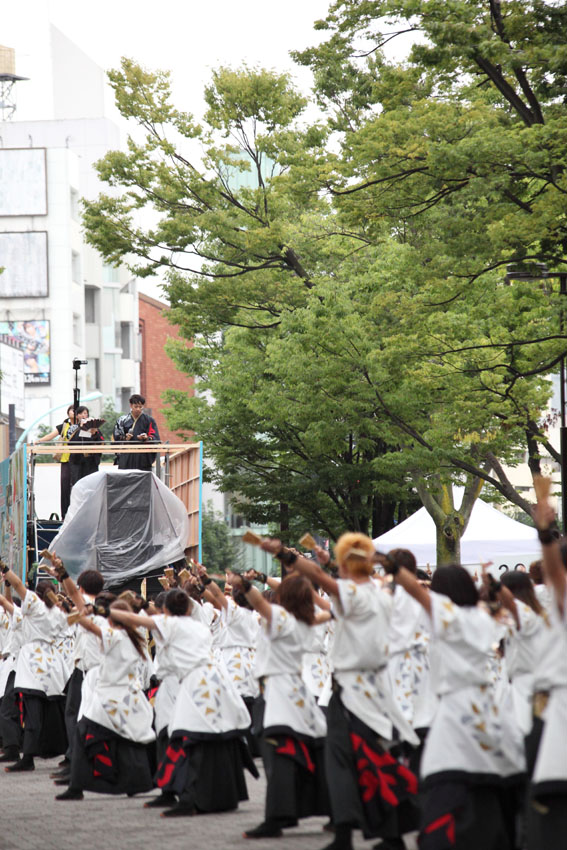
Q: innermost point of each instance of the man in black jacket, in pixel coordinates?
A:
(136, 427)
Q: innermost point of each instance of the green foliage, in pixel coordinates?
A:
(219, 551)
(110, 416)
(42, 430)
(354, 339)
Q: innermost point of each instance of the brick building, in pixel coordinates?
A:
(157, 371)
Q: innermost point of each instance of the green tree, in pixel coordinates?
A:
(110, 416)
(219, 551)
(352, 355)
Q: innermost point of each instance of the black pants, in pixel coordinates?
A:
(72, 705)
(65, 488)
(10, 727)
(82, 469)
(44, 726)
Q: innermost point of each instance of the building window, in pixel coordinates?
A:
(125, 397)
(126, 339)
(110, 273)
(77, 336)
(92, 372)
(74, 202)
(90, 305)
(76, 266)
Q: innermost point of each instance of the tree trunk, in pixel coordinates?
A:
(448, 539)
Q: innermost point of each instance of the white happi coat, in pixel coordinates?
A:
(551, 763)
(316, 668)
(11, 649)
(524, 648)
(6, 663)
(289, 703)
(206, 702)
(408, 660)
(237, 641)
(41, 666)
(466, 732)
(113, 696)
(360, 657)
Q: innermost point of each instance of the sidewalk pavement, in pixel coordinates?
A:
(31, 819)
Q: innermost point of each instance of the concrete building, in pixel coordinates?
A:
(58, 299)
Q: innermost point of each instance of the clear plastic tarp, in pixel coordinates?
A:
(124, 523)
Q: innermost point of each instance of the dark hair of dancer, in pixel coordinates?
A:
(295, 594)
(42, 589)
(91, 581)
(456, 583)
(159, 601)
(240, 599)
(521, 587)
(404, 558)
(536, 572)
(102, 603)
(136, 638)
(177, 602)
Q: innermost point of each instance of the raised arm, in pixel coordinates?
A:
(6, 605)
(253, 595)
(308, 568)
(89, 626)
(134, 620)
(15, 581)
(553, 568)
(410, 584)
(51, 436)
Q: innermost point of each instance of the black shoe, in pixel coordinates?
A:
(181, 810)
(64, 773)
(164, 801)
(10, 754)
(287, 823)
(63, 781)
(25, 763)
(267, 829)
(70, 794)
(390, 844)
(342, 840)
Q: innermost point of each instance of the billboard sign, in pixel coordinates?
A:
(33, 339)
(23, 183)
(11, 378)
(13, 510)
(23, 258)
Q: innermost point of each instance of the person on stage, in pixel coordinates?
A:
(136, 427)
(83, 464)
(62, 431)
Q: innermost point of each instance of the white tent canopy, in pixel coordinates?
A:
(489, 536)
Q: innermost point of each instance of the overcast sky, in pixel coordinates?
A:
(187, 37)
(190, 37)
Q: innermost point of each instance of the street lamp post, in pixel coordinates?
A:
(539, 271)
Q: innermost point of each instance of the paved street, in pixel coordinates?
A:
(30, 819)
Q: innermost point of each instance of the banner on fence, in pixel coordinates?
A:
(13, 511)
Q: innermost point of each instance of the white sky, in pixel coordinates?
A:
(191, 37)
(187, 37)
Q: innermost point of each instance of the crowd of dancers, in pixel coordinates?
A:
(381, 698)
